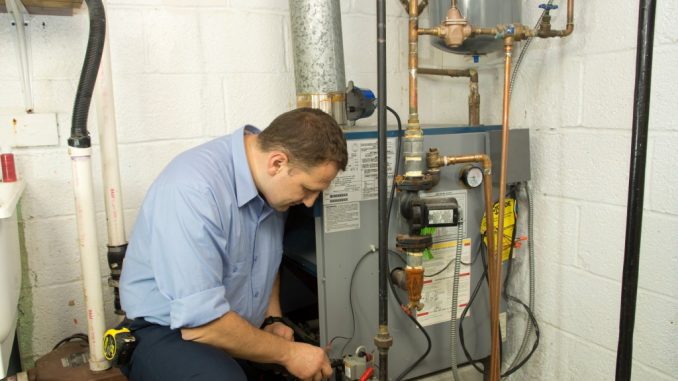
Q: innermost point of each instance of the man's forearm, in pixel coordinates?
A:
(274, 308)
(240, 339)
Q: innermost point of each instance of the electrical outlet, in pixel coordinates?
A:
(29, 130)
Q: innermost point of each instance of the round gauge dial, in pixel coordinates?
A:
(471, 176)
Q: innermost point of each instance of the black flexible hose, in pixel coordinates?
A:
(634, 216)
(88, 77)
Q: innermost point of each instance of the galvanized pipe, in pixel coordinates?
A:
(319, 56)
(634, 215)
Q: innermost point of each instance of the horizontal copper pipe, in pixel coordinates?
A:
(474, 95)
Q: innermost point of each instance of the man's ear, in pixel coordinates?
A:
(277, 160)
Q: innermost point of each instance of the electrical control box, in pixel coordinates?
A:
(344, 262)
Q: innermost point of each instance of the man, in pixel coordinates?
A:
(200, 273)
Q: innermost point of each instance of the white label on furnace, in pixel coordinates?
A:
(340, 217)
(359, 181)
(437, 292)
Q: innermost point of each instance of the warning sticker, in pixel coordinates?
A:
(340, 217)
(341, 206)
(437, 292)
(359, 181)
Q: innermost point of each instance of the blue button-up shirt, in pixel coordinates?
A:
(205, 242)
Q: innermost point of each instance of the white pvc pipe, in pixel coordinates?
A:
(89, 256)
(13, 8)
(106, 124)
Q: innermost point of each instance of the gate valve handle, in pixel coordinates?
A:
(548, 7)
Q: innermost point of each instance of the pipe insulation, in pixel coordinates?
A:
(634, 214)
(81, 160)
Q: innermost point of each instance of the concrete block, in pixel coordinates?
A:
(393, 8)
(601, 246)
(54, 95)
(49, 191)
(583, 165)
(195, 4)
(547, 93)
(562, 356)
(556, 229)
(663, 97)
(662, 182)
(64, 305)
(360, 47)
(268, 5)
(240, 41)
(11, 95)
(172, 41)
(658, 257)
(140, 164)
(601, 241)
(126, 41)
(134, 2)
(610, 26)
(656, 330)
(608, 90)
(578, 303)
(665, 30)
(244, 103)
(10, 68)
(58, 46)
(151, 107)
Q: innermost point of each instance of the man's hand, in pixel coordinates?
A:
(280, 329)
(308, 363)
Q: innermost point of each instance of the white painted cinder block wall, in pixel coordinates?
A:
(186, 73)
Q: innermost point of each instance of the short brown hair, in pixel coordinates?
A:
(310, 137)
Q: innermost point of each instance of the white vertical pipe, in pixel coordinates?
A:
(103, 94)
(13, 8)
(89, 256)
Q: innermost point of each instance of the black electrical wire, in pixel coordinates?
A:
(465, 311)
(530, 314)
(350, 301)
(514, 299)
(421, 328)
(75, 336)
(397, 165)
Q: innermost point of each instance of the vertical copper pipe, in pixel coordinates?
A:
(496, 261)
(413, 62)
(473, 100)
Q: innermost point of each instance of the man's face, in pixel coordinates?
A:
(294, 185)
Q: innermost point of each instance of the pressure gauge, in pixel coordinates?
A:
(471, 176)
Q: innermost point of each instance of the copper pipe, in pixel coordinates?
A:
(435, 162)
(496, 257)
(474, 95)
(422, 6)
(412, 63)
(569, 26)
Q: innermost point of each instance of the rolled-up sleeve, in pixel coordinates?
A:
(199, 308)
(187, 261)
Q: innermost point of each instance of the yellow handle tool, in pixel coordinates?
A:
(118, 345)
